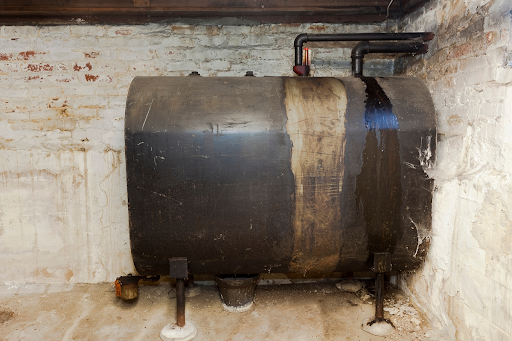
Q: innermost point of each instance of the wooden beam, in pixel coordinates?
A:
(329, 11)
(142, 3)
(409, 6)
(197, 4)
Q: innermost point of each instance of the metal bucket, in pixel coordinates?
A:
(237, 291)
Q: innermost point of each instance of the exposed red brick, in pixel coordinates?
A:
(5, 56)
(91, 54)
(459, 51)
(319, 28)
(26, 55)
(62, 78)
(77, 67)
(291, 25)
(178, 28)
(489, 37)
(124, 32)
(39, 67)
(91, 78)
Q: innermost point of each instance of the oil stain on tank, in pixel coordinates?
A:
(378, 185)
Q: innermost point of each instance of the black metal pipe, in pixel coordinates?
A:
(299, 41)
(180, 302)
(365, 47)
(304, 37)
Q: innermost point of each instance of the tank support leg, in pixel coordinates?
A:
(181, 330)
(378, 325)
(379, 296)
(180, 302)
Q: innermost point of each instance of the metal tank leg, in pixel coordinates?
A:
(180, 302)
(237, 291)
(378, 325)
(181, 330)
(379, 296)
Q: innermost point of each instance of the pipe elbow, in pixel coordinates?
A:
(361, 48)
(300, 39)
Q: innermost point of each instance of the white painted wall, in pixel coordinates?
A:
(465, 286)
(63, 211)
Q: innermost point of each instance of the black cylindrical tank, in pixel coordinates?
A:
(278, 174)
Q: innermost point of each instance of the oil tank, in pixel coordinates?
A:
(278, 174)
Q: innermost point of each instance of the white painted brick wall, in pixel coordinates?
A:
(63, 213)
(465, 287)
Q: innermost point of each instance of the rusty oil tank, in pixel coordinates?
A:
(278, 174)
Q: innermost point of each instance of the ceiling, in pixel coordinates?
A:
(142, 11)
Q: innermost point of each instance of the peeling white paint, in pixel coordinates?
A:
(465, 285)
(63, 201)
(63, 204)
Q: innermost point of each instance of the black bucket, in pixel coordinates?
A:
(237, 291)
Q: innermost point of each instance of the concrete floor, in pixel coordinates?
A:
(310, 311)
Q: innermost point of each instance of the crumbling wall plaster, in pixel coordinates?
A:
(465, 286)
(63, 202)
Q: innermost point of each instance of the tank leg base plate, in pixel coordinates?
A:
(378, 327)
(172, 332)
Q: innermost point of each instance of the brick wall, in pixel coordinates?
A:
(63, 213)
(63, 204)
(465, 286)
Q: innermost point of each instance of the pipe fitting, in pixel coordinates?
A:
(360, 49)
(300, 39)
(364, 46)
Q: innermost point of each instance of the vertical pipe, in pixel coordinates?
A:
(180, 302)
(298, 55)
(379, 297)
(357, 66)
(364, 38)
